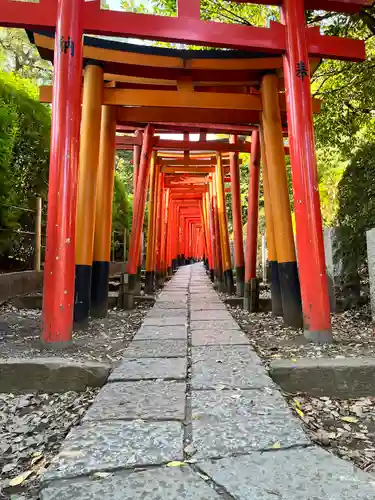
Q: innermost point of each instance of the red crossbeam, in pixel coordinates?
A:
(182, 29)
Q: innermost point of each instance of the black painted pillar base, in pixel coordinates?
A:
(99, 289)
(251, 296)
(228, 281)
(212, 275)
(158, 280)
(149, 282)
(132, 282)
(82, 296)
(240, 281)
(170, 272)
(290, 294)
(277, 307)
(137, 282)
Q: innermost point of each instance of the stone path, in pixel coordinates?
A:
(192, 390)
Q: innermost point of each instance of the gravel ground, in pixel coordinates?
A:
(104, 341)
(32, 428)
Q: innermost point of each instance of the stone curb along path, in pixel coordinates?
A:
(192, 390)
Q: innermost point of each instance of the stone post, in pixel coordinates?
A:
(370, 239)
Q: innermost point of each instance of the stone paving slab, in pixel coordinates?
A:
(214, 325)
(226, 422)
(156, 349)
(150, 368)
(211, 315)
(199, 305)
(230, 366)
(96, 446)
(165, 321)
(154, 484)
(159, 312)
(145, 399)
(172, 304)
(224, 337)
(303, 474)
(161, 332)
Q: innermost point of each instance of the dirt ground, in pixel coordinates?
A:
(105, 340)
(345, 427)
(33, 426)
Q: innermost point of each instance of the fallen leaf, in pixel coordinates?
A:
(20, 479)
(300, 412)
(276, 446)
(351, 420)
(176, 464)
(101, 475)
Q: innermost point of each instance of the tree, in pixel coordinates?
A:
(20, 56)
(24, 159)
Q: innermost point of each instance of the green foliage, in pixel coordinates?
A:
(24, 158)
(356, 211)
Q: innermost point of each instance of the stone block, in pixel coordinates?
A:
(167, 312)
(145, 399)
(110, 445)
(165, 321)
(339, 378)
(300, 473)
(221, 337)
(199, 305)
(162, 332)
(149, 369)
(156, 349)
(211, 315)
(230, 422)
(154, 484)
(228, 366)
(50, 375)
(214, 325)
(370, 239)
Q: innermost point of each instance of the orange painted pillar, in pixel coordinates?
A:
(103, 214)
(139, 207)
(93, 85)
(251, 296)
(223, 223)
(239, 260)
(216, 227)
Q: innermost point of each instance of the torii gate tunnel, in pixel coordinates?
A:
(258, 90)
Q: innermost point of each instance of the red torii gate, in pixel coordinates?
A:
(71, 18)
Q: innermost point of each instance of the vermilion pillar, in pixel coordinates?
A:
(59, 269)
(103, 215)
(239, 260)
(251, 297)
(311, 261)
(136, 159)
(87, 186)
(139, 207)
(150, 250)
(281, 214)
(159, 208)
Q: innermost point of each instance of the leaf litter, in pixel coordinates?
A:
(345, 427)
